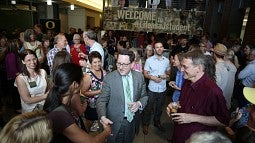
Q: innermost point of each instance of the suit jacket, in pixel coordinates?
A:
(111, 102)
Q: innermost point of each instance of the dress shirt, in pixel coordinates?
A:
(156, 67)
(247, 75)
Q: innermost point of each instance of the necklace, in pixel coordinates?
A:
(78, 120)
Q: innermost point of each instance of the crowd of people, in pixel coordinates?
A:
(83, 82)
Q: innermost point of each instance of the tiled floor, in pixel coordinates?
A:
(156, 136)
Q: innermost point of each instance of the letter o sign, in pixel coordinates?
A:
(50, 24)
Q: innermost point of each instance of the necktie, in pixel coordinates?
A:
(130, 115)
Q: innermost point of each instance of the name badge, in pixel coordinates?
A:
(32, 84)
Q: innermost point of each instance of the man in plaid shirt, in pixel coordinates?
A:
(60, 44)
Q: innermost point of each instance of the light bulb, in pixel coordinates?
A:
(13, 2)
(49, 2)
(72, 7)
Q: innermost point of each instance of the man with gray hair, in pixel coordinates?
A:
(208, 137)
(201, 106)
(89, 37)
(60, 43)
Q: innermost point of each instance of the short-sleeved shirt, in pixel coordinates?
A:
(230, 82)
(156, 67)
(204, 98)
(222, 77)
(60, 121)
(51, 54)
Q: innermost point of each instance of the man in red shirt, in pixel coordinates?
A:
(202, 106)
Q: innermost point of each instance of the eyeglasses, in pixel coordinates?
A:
(185, 67)
(122, 64)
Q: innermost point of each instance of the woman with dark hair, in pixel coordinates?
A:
(60, 58)
(210, 67)
(92, 86)
(32, 82)
(64, 57)
(34, 45)
(67, 82)
(179, 79)
(121, 45)
(45, 49)
(12, 66)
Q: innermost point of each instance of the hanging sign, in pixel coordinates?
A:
(153, 20)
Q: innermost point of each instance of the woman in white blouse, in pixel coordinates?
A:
(31, 82)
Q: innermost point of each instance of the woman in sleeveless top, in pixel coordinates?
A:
(34, 45)
(92, 87)
(31, 82)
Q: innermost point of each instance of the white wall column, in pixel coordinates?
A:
(76, 18)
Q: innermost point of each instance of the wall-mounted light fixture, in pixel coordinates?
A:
(13, 2)
(49, 2)
(72, 6)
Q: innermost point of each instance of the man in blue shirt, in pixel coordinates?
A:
(247, 78)
(156, 69)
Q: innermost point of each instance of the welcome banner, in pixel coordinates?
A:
(153, 20)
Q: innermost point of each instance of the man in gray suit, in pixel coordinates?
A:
(122, 99)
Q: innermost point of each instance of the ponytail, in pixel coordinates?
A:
(52, 101)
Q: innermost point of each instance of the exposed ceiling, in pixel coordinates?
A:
(65, 4)
(97, 5)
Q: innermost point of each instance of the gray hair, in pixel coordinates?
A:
(208, 137)
(90, 34)
(207, 62)
(196, 56)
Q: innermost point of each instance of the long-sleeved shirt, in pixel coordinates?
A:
(247, 75)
